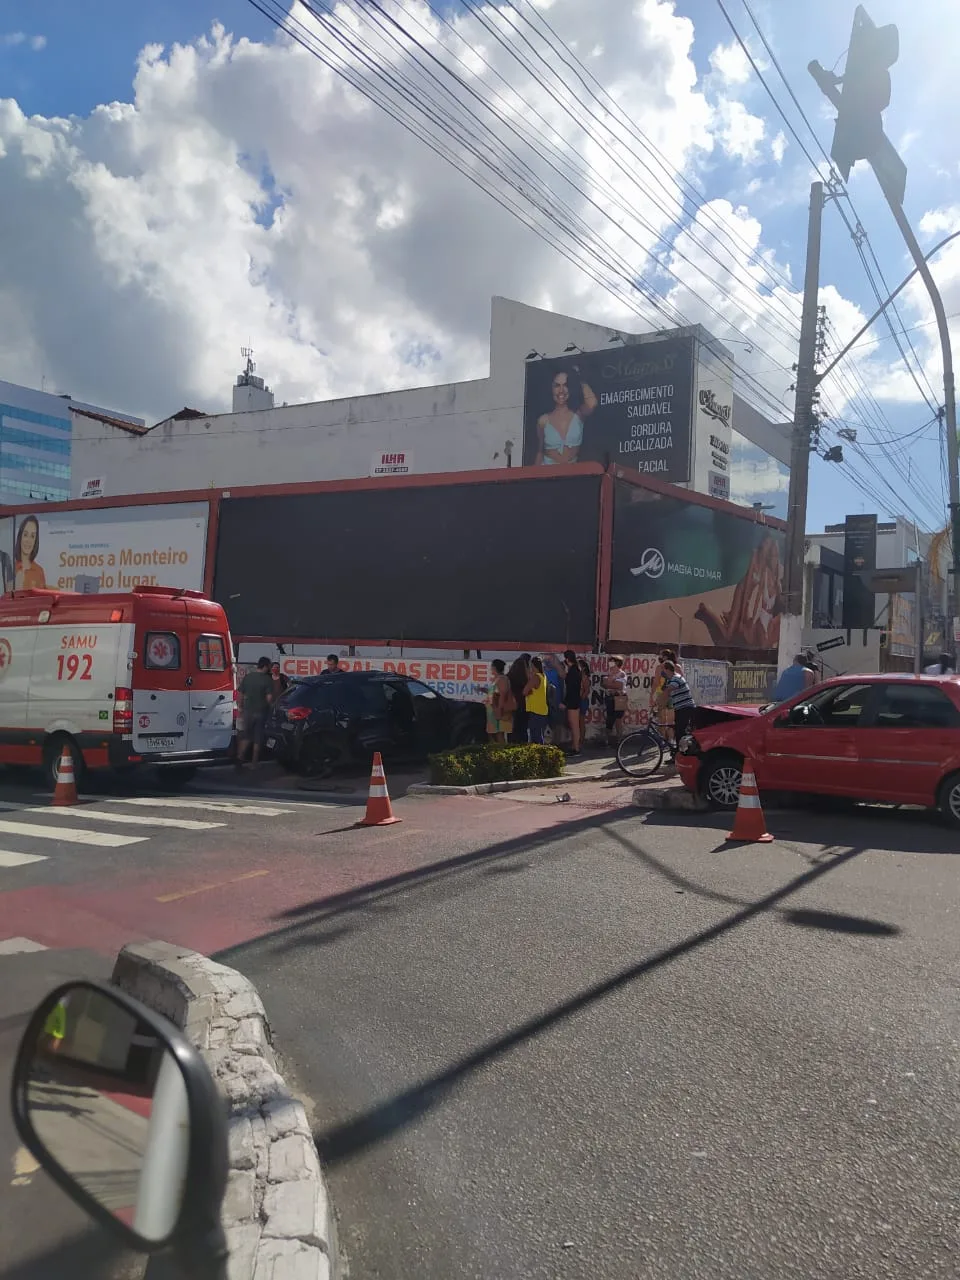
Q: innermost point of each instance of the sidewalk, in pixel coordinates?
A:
(597, 781)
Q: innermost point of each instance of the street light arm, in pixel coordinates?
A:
(883, 306)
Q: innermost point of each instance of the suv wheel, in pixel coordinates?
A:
(950, 799)
(720, 781)
(319, 756)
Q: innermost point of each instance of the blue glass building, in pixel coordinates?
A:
(36, 429)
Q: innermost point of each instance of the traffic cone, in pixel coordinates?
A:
(379, 812)
(749, 825)
(65, 791)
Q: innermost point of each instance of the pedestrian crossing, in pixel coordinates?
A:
(27, 831)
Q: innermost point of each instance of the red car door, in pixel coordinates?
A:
(814, 745)
(911, 736)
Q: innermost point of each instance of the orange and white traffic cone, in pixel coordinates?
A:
(65, 791)
(379, 813)
(749, 825)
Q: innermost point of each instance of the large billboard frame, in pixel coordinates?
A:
(505, 475)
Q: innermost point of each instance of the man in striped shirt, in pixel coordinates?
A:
(677, 690)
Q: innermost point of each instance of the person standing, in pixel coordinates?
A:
(677, 692)
(944, 667)
(279, 681)
(518, 675)
(536, 702)
(584, 697)
(797, 677)
(571, 699)
(333, 664)
(554, 670)
(615, 700)
(254, 698)
(499, 702)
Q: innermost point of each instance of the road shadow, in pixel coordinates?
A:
(340, 1142)
(440, 877)
(840, 922)
(93, 1254)
(868, 827)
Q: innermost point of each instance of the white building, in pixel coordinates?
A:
(37, 430)
(464, 426)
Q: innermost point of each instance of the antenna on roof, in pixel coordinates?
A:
(247, 353)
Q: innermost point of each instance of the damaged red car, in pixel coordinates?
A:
(892, 739)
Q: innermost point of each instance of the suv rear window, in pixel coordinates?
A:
(161, 651)
(211, 654)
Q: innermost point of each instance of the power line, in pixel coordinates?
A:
(271, 9)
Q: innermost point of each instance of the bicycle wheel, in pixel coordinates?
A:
(640, 754)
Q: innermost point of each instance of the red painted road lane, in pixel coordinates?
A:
(224, 897)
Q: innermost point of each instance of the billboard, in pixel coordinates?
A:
(631, 406)
(859, 556)
(112, 549)
(506, 561)
(713, 422)
(693, 573)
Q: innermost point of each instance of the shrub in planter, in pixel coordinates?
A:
(495, 762)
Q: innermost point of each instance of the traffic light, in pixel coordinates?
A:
(864, 91)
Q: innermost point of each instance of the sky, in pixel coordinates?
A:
(181, 180)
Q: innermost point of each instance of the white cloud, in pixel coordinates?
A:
(246, 194)
(14, 38)
(757, 475)
(730, 63)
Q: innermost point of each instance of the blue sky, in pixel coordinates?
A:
(89, 57)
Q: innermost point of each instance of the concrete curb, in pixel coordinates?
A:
(516, 784)
(276, 1212)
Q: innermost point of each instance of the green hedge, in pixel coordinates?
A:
(495, 762)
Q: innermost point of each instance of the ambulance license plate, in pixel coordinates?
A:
(155, 743)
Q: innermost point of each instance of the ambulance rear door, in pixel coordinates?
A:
(161, 695)
(211, 678)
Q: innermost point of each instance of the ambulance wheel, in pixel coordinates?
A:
(52, 751)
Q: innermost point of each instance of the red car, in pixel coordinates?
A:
(888, 738)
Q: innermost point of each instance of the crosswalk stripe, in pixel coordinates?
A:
(8, 859)
(213, 806)
(17, 946)
(137, 819)
(70, 835)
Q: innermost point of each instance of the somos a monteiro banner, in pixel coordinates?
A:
(109, 550)
(631, 406)
(678, 564)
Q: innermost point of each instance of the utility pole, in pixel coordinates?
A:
(791, 623)
(861, 95)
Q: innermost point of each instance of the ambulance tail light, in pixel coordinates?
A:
(123, 710)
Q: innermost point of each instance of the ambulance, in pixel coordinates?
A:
(121, 679)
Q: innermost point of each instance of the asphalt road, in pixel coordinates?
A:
(541, 1040)
(620, 1048)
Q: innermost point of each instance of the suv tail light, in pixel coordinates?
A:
(123, 710)
(298, 713)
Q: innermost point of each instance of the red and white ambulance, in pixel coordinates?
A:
(122, 679)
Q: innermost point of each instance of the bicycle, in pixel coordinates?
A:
(640, 753)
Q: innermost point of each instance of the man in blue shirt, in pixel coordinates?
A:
(797, 677)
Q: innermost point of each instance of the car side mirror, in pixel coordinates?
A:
(122, 1112)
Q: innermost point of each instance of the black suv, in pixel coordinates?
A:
(343, 717)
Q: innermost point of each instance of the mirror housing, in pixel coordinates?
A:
(121, 1110)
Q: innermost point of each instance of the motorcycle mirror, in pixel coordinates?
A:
(122, 1112)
